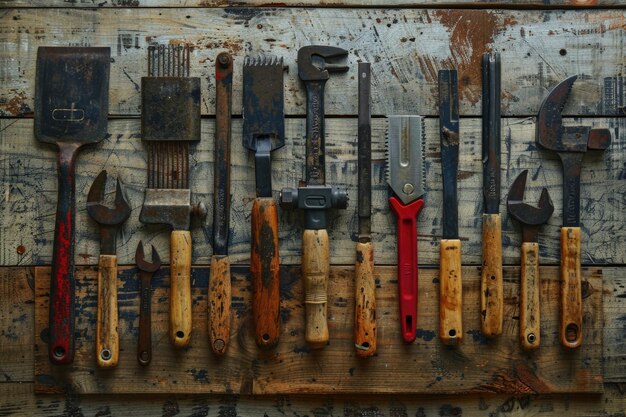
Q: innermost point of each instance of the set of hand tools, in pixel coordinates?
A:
(71, 110)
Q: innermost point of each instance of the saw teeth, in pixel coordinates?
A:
(387, 162)
(262, 61)
(423, 153)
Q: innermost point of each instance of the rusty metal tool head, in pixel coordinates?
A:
(108, 218)
(71, 110)
(143, 264)
(570, 143)
(146, 270)
(314, 65)
(531, 217)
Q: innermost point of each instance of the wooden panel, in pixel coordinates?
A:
(297, 3)
(405, 47)
(27, 175)
(426, 366)
(16, 324)
(615, 325)
(19, 400)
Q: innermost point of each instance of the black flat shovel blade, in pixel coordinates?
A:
(72, 94)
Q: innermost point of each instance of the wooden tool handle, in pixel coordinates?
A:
(265, 270)
(61, 327)
(365, 301)
(530, 324)
(107, 338)
(315, 270)
(491, 290)
(180, 288)
(219, 304)
(450, 292)
(571, 289)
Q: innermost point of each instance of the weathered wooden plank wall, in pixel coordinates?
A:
(405, 47)
(27, 171)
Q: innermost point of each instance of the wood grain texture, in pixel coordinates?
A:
(530, 302)
(364, 301)
(450, 292)
(478, 365)
(28, 170)
(571, 288)
(121, 4)
(491, 302)
(265, 271)
(107, 337)
(19, 400)
(219, 303)
(315, 271)
(180, 289)
(539, 48)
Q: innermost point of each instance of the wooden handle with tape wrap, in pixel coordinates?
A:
(491, 290)
(265, 270)
(315, 270)
(107, 338)
(180, 288)
(450, 292)
(219, 304)
(365, 301)
(529, 318)
(571, 289)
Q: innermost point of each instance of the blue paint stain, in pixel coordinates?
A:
(478, 337)
(426, 335)
(201, 375)
(301, 349)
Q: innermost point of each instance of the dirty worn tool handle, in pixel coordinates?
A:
(365, 301)
(406, 218)
(265, 270)
(491, 290)
(219, 303)
(62, 284)
(529, 318)
(450, 292)
(107, 337)
(144, 345)
(315, 271)
(180, 288)
(571, 289)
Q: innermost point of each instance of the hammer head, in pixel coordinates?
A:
(312, 63)
(552, 135)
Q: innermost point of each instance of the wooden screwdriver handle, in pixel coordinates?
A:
(219, 304)
(530, 324)
(180, 288)
(315, 270)
(265, 270)
(365, 301)
(491, 290)
(571, 289)
(107, 338)
(450, 292)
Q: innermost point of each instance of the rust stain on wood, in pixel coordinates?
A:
(472, 33)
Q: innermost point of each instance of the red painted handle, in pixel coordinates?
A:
(61, 344)
(407, 263)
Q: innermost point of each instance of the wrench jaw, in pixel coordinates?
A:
(313, 62)
(102, 214)
(141, 262)
(530, 217)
